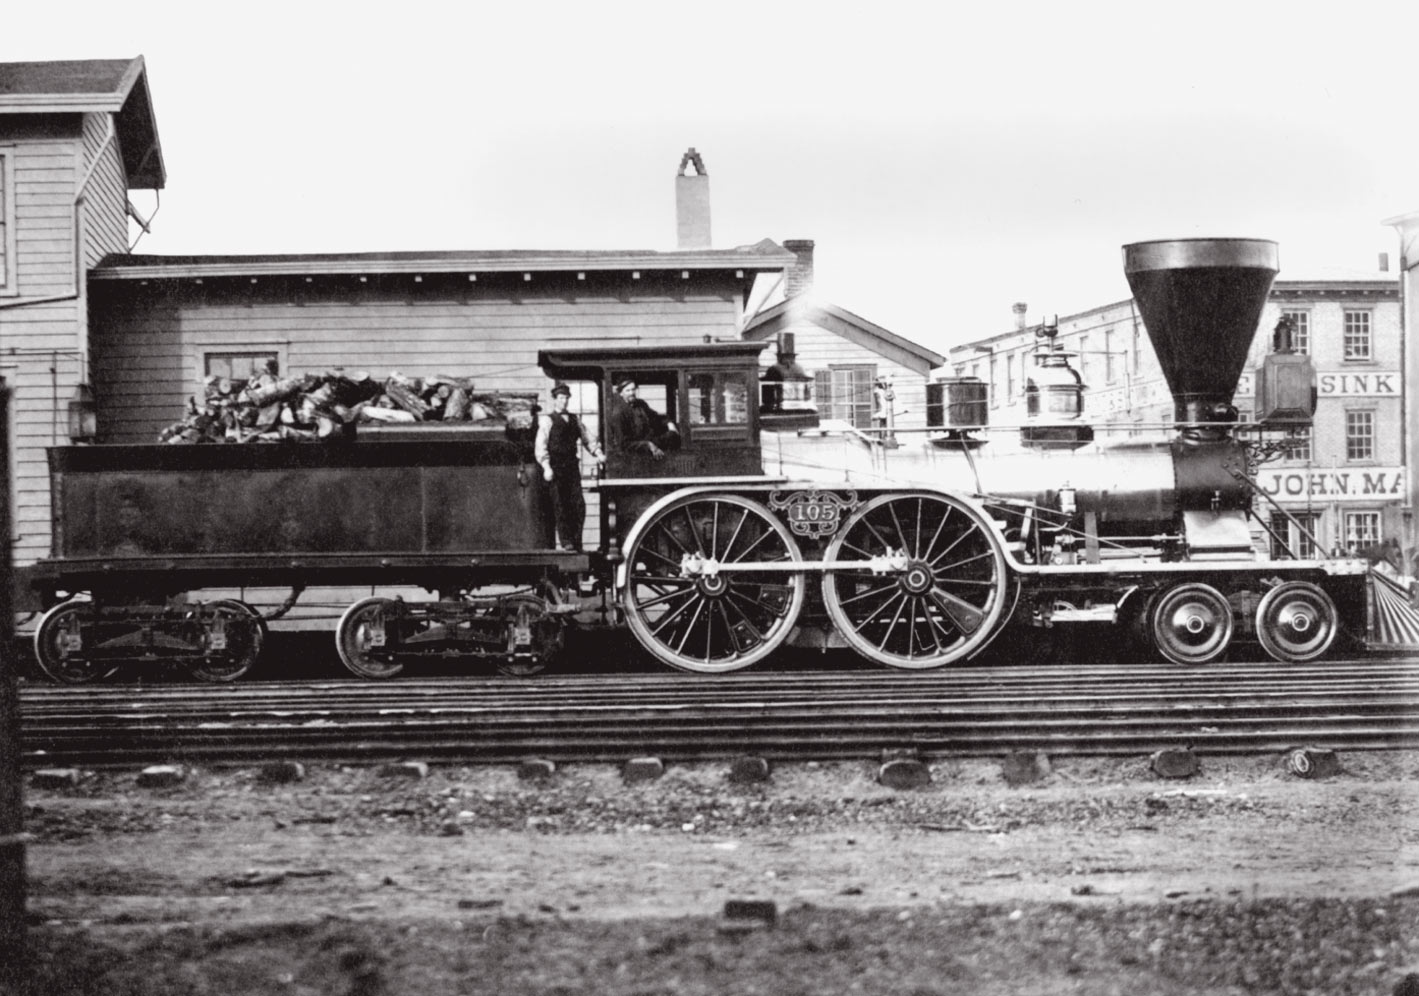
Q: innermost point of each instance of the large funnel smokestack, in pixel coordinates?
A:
(1201, 301)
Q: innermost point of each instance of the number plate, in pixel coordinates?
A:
(814, 513)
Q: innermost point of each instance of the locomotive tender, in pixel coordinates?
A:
(765, 528)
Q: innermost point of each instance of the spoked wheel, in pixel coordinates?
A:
(242, 634)
(1191, 623)
(361, 636)
(689, 599)
(534, 636)
(938, 587)
(62, 643)
(1296, 622)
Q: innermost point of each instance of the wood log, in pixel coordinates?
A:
(406, 398)
(455, 409)
(264, 391)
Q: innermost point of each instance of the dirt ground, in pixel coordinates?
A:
(1100, 877)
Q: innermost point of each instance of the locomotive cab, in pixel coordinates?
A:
(709, 393)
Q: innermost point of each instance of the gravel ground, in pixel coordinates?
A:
(1098, 878)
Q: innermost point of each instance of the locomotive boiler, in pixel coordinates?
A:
(765, 528)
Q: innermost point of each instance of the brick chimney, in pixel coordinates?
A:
(1019, 308)
(692, 204)
(799, 278)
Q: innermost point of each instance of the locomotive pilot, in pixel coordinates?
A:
(556, 450)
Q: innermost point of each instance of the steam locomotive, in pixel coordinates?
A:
(765, 528)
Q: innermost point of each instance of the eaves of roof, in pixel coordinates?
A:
(757, 328)
(113, 86)
(752, 259)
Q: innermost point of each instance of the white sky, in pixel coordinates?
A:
(946, 164)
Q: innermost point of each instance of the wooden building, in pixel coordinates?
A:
(125, 339)
(75, 138)
(845, 355)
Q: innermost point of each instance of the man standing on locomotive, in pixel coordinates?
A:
(556, 451)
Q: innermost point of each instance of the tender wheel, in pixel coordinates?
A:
(360, 637)
(62, 642)
(685, 601)
(939, 588)
(1296, 622)
(243, 633)
(1191, 623)
(534, 636)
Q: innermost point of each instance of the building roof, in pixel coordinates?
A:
(855, 328)
(114, 86)
(765, 256)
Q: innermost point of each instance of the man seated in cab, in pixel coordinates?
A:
(558, 434)
(638, 428)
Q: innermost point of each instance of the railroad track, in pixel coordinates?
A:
(1236, 708)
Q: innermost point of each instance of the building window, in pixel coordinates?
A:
(1289, 539)
(1137, 348)
(1084, 359)
(1298, 445)
(237, 366)
(8, 284)
(1361, 529)
(1110, 371)
(845, 393)
(1010, 375)
(1300, 330)
(1359, 435)
(1357, 335)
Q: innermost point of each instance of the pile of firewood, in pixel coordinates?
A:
(270, 408)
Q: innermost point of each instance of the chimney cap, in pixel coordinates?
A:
(693, 158)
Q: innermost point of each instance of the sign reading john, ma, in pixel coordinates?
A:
(1334, 482)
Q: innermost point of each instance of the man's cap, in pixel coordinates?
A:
(561, 388)
(622, 383)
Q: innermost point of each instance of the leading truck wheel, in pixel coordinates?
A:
(691, 597)
(362, 636)
(929, 584)
(1191, 623)
(231, 640)
(1296, 622)
(63, 642)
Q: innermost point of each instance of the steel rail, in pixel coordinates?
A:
(809, 715)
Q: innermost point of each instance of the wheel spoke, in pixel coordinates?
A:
(753, 546)
(886, 586)
(694, 532)
(699, 608)
(664, 597)
(954, 543)
(871, 616)
(743, 518)
(962, 563)
(666, 620)
(873, 530)
(901, 533)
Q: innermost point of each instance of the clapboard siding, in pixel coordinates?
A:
(106, 193)
(37, 338)
(820, 349)
(148, 343)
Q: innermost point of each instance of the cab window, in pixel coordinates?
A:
(718, 405)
